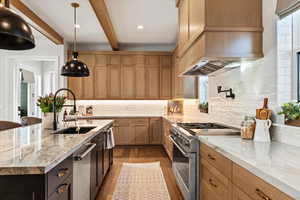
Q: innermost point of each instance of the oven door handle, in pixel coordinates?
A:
(180, 149)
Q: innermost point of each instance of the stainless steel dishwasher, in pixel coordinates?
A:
(82, 172)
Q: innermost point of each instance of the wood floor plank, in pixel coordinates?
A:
(139, 155)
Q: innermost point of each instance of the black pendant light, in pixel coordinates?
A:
(75, 68)
(15, 33)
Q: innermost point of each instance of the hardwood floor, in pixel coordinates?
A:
(139, 155)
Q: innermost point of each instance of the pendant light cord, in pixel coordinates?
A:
(75, 33)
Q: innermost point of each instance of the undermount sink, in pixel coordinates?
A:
(75, 130)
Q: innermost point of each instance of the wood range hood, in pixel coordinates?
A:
(214, 34)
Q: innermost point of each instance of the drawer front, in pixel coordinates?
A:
(142, 121)
(63, 191)
(255, 187)
(57, 175)
(237, 194)
(217, 160)
(123, 122)
(215, 181)
(207, 193)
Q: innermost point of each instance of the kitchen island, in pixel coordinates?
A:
(34, 161)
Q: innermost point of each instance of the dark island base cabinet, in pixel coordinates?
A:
(55, 185)
(101, 161)
(29, 187)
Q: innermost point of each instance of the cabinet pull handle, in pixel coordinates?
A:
(62, 172)
(211, 182)
(211, 157)
(262, 195)
(62, 188)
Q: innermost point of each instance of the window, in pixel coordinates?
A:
(203, 89)
(288, 58)
(298, 77)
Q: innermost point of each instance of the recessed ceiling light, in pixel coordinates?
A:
(77, 26)
(140, 27)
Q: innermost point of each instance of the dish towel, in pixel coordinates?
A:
(110, 143)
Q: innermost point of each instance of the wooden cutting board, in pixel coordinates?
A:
(264, 113)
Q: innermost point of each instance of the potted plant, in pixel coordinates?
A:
(203, 107)
(291, 112)
(46, 105)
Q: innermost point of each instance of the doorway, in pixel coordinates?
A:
(33, 78)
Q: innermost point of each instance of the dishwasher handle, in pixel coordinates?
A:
(90, 146)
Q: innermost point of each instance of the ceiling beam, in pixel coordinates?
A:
(102, 14)
(43, 27)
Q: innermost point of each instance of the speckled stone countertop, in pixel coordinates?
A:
(276, 163)
(33, 150)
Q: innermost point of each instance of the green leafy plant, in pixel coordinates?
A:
(46, 103)
(203, 107)
(291, 111)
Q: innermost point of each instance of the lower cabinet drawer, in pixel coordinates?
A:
(214, 181)
(63, 191)
(255, 187)
(220, 162)
(237, 194)
(58, 174)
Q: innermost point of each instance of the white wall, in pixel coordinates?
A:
(44, 49)
(126, 107)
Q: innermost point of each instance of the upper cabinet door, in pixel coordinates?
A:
(153, 77)
(128, 77)
(165, 77)
(88, 82)
(140, 78)
(101, 77)
(114, 78)
(196, 18)
(153, 82)
(75, 84)
(128, 81)
(183, 23)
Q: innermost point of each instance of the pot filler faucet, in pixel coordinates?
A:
(54, 103)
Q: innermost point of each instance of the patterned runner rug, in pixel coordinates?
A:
(141, 181)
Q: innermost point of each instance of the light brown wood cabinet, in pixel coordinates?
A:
(167, 143)
(177, 81)
(153, 82)
(155, 131)
(128, 82)
(122, 75)
(140, 86)
(255, 187)
(141, 131)
(237, 194)
(166, 77)
(131, 131)
(222, 179)
(101, 77)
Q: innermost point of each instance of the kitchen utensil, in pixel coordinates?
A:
(262, 133)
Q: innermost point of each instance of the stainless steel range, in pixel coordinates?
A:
(186, 153)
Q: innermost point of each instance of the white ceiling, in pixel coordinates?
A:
(159, 18)
(59, 15)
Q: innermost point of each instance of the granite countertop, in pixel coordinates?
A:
(33, 150)
(276, 163)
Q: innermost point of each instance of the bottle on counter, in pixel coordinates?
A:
(248, 128)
